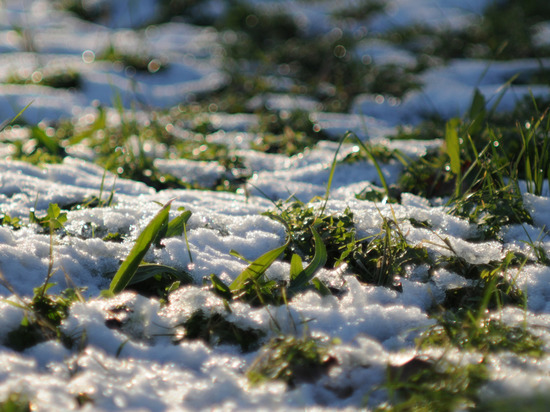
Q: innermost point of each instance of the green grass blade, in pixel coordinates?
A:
(220, 287)
(477, 113)
(176, 225)
(236, 254)
(148, 270)
(318, 261)
(478, 105)
(14, 118)
(453, 145)
(320, 287)
(376, 165)
(258, 267)
(296, 266)
(332, 170)
(130, 265)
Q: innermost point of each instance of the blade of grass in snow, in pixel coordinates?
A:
(376, 165)
(301, 280)
(331, 175)
(453, 149)
(148, 270)
(258, 267)
(296, 266)
(130, 265)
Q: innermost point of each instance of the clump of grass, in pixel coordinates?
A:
(491, 202)
(16, 402)
(465, 321)
(427, 176)
(385, 257)
(123, 148)
(43, 316)
(492, 288)
(425, 384)
(93, 201)
(140, 62)
(477, 172)
(69, 79)
(535, 152)
(214, 329)
(263, 29)
(253, 286)
(272, 44)
(428, 129)
(90, 11)
(291, 360)
(360, 10)
(487, 335)
(287, 133)
(378, 260)
(133, 271)
(42, 147)
(390, 80)
(336, 231)
(504, 31)
(9, 221)
(158, 280)
(380, 152)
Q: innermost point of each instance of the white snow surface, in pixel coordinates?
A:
(137, 367)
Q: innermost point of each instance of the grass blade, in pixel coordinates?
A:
(332, 170)
(258, 267)
(296, 266)
(176, 226)
(13, 119)
(376, 165)
(148, 270)
(453, 145)
(130, 265)
(318, 261)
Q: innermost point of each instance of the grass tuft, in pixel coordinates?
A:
(291, 360)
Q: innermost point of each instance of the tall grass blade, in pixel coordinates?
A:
(376, 165)
(332, 170)
(130, 265)
(453, 145)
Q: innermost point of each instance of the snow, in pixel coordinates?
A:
(137, 367)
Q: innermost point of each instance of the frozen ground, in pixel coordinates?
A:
(137, 366)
